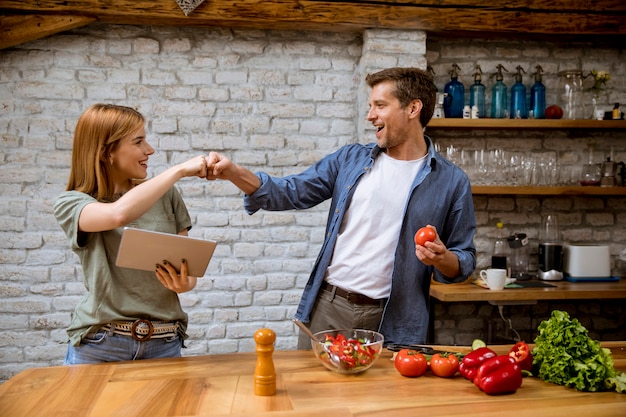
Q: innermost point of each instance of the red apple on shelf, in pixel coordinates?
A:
(554, 112)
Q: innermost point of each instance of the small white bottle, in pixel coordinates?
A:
(475, 113)
(466, 112)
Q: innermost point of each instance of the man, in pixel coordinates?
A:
(370, 274)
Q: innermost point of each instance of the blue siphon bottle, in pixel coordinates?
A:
(518, 96)
(538, 96)
(498, 95)
(456, 92)
(477, 93)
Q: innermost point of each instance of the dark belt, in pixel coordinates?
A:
(353, 297)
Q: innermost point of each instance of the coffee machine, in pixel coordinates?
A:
(611, 176)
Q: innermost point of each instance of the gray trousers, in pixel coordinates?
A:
(334, 312)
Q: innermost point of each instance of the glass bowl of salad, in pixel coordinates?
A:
(348, 351)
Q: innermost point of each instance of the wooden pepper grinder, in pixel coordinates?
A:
(264, 373)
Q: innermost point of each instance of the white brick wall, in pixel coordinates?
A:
(276, 101)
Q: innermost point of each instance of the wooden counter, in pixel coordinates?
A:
(562, 290)
(221, 385)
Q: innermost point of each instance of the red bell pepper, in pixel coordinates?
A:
(522, 355)
(499, 375)
(473, 360)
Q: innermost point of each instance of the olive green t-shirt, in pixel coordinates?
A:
(115, 293)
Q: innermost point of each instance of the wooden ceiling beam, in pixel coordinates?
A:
(18, 29)
(532, 17)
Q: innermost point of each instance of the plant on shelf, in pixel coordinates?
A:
(600, 78)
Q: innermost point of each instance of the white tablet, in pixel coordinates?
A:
(143, 249)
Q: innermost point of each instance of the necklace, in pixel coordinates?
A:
(113, 198)
(116, 196)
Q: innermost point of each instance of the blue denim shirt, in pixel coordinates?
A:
(440, 195)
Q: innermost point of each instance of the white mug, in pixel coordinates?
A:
(495, 278)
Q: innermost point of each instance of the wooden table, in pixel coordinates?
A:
(223, 385)
(562, 290)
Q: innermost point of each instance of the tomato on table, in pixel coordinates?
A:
(425, 234)
(444, 365)
(410, 363)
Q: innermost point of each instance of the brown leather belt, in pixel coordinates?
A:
(353, 297)
(143, 329)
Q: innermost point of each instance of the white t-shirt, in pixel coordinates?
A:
(365, 250)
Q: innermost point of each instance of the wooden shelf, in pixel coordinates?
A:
(524, 124)
(507, 124)
(561, 290)
(537, 190)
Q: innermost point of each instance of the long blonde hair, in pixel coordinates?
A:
(98, 131)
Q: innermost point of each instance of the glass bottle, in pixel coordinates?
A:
(477, 93)
(500, 249)
(591, 173)
(616, 113)
(571, 94)
(456, 94)
(518, 96)
(538, 95)
(498, 95)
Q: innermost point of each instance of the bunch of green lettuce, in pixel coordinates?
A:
(565, 354)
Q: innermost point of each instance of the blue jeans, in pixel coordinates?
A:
(105, 346)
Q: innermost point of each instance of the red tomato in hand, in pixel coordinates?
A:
(444, 365)
(410, 363)
(425, 234)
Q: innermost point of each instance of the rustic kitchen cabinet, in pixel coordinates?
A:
(529, 124)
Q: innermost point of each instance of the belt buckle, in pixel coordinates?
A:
(353, 298)
(133, 330)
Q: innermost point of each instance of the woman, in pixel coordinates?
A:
(126, 314)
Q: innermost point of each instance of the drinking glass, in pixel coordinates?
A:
(497, 166)
(516, 168)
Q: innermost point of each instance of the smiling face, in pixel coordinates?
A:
(129, 159)
(395, 125)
